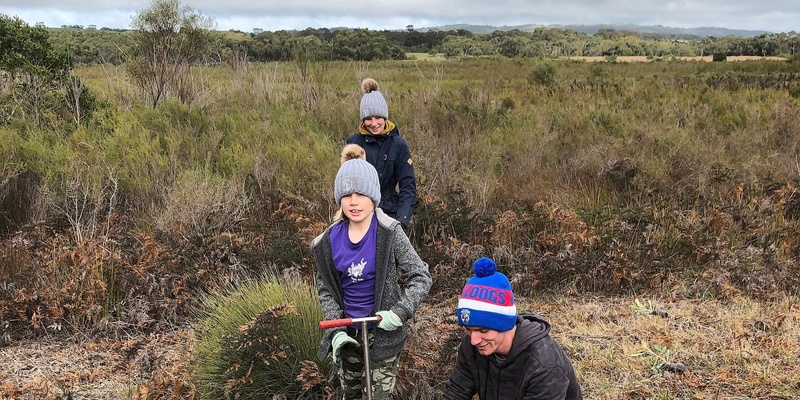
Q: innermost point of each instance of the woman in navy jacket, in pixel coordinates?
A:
(388, 152)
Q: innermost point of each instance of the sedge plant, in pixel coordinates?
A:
(258, 339)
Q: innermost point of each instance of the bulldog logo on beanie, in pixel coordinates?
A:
(487, 300)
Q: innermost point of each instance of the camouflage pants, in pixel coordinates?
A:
(351, 373)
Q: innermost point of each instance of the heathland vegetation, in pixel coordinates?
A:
(156, 213)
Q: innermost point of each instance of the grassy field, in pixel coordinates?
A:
(649, 210)
(678, 58)
(440, 57)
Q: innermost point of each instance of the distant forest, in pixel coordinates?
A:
(89, 46)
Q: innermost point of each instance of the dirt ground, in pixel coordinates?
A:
(72, 369)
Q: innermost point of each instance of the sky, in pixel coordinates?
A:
(273, 15)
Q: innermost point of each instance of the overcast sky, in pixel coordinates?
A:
(272, 15)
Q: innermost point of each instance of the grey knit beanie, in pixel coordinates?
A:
(372, 102)
(357, 176)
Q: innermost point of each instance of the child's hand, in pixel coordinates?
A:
(339, 340)
(389, 320)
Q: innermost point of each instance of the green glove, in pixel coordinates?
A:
(389, 320)
(340, 339)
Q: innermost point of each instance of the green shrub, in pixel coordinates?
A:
(259, 339)
(10, 166)
(543, 74)
(794, 90)
(719, 57)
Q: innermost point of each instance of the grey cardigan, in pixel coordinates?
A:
(395, 259)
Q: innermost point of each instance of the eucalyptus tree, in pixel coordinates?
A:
(31, 71)
(169, 40)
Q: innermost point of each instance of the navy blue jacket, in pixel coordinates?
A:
(390, 155)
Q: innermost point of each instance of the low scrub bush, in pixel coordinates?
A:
(259, 339)
(201, 204)
(543, 74)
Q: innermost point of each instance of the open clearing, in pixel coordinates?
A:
(731, 349)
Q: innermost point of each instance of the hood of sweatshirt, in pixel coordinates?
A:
(530, 328)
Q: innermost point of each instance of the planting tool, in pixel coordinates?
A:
(336, 323)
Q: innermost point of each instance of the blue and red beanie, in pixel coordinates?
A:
(487, 300)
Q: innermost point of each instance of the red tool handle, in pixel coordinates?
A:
(335, 323)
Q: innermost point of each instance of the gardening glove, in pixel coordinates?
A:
(339, 340)
(389, 320)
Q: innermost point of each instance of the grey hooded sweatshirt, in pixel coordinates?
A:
(396, 260)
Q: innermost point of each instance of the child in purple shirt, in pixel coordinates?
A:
(361, 260)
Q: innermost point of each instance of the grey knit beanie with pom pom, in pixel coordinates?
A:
(356, 175)
(372, 102)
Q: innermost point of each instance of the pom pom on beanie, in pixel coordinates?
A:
(484, 267)
(353, 152)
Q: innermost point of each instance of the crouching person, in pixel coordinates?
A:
(505, 355)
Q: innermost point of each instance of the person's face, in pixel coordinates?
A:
(489, 341)
(375, 125)
(357, 207)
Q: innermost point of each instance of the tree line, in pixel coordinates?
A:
(111, 46)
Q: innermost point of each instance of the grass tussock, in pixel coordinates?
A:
(257, 339)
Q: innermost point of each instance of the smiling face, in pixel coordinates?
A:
(357, 207)
(489, 341)
(375, 125)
